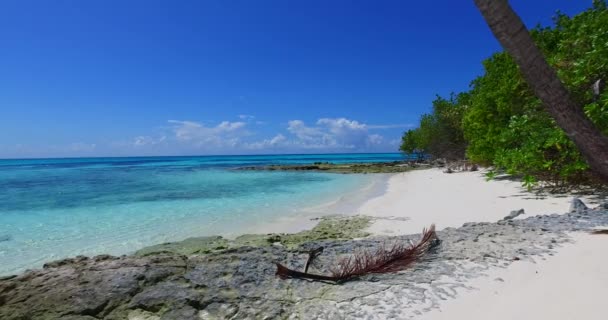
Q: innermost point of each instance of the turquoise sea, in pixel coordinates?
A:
(56, 208)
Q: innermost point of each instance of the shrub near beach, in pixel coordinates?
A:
(500, 122)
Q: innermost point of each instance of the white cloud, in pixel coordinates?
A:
(143, 141)
(279, 138)
(326, 135)
(230, 126)
(245, 135)
(225, 133)
(375, 139)
(186, 137)
(334, 134)
(344, 132)
(300, 130)
(339, 124)
(277, 141)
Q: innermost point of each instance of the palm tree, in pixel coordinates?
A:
(512, 34)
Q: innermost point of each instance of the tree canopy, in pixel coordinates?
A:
(500, 122)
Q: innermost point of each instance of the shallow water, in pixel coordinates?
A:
(55, 208)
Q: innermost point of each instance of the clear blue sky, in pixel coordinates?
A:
(117, 78)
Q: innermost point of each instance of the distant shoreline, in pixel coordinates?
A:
(346, 168)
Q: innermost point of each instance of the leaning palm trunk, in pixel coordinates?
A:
(515, 38)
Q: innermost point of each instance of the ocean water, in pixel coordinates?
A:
(56, 208)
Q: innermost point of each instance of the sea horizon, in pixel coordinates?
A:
(204, 155)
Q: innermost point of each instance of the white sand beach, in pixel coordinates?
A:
(414, 200)
(568, 285)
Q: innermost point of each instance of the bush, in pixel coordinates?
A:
(501, 123)
(440, 132)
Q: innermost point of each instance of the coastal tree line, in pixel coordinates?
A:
(539, 110)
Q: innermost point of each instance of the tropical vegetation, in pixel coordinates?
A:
(500, 122)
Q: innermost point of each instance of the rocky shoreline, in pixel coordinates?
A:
(374, 167)
(222, 279)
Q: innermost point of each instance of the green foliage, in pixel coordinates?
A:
(490, 175)
(503, 124)
(440, 132)
(495, 97)
(529, 182)
(581, 58)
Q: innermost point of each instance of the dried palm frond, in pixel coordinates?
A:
(311, 257)
(397, 258)
(600, 231)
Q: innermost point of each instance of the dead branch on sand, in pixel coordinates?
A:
(397, 258)
(600, 231)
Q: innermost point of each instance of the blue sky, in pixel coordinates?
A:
(120, 78)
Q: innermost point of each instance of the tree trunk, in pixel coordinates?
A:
(512, 34)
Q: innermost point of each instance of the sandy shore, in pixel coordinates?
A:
(405, 203)
(567, 285)
(414, 200)
(306, 218)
